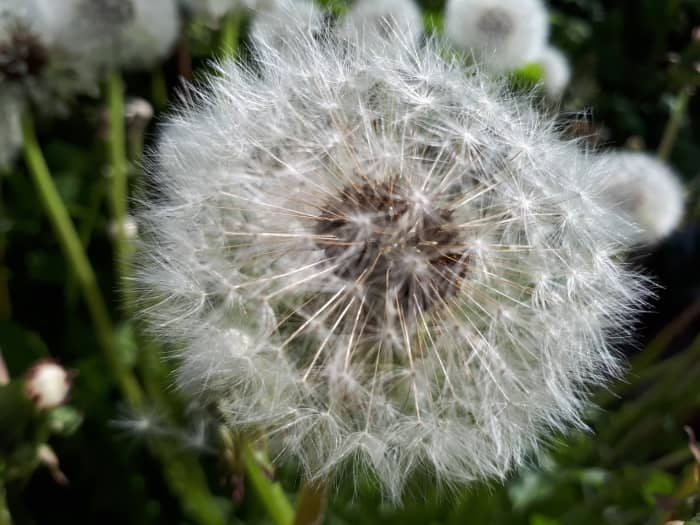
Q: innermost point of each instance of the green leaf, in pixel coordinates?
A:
(64, 420)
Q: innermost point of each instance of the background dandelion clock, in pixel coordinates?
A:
(504, 34)
(369, 17)
(373, 257)
(647, 191)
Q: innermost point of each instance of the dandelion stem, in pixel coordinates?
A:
(159, 89)
(673, 125)
(312, 503)
(269, 492)
(230, 32)
(77, 258)
(118, 188)
(5, 517)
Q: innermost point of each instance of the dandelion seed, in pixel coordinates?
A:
(504, 35)
(374, 256)
(648, 191)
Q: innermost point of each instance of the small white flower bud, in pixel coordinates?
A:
(129, 228)
(47, 384)
(138, 112)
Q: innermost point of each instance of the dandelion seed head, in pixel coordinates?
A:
(378, 259)
(367, 19)
(647, 191)
(503, 34)
(556, 71)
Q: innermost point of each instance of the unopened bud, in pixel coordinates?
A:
(47, 384)
(129, 228)
(138, 112)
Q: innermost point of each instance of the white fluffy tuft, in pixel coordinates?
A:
(556, 71)
(368, 18)
(375, 257)
(503, 34)
(648, 191)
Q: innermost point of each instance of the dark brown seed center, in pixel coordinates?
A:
(22, 56)
(401, 249)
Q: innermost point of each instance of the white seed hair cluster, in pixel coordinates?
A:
(381, 260)
(503, 34)
(135, 34)
(368, 18)
(556, 71)
(648, 191)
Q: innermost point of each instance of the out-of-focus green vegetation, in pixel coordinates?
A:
(635, 63)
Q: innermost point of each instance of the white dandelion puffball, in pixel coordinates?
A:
(368, 18)
(273, 25)
(374, 256)
(648, 191)
(556, 71)
(150, 34)
(135, 34)
(504, 34)
(216, 9)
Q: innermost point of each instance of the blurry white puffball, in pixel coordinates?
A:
(149, 36)
(216, 9)
(136, 34)
(274, 25)
(556, 71)
(648, 191)
(368, 18)
(502, 34)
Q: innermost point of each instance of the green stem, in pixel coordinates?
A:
(76, 257)
(674, 124)
(5, 517)
(86, 229)
(312, 503)
(270, 493)
(118, 190)
(230, 32)
(159, 89)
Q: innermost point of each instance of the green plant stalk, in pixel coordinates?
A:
(5, 517)
(118, 189)
(230, 33)
(77, 259)
(86, 229)
(312, 503)
(673, 125)
(270, 493)
(159, 89)
(186, 478)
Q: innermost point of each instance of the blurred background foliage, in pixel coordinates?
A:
(636, 62)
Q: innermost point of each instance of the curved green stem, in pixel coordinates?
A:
(312, 503)
(269, 492)
(673, 126)
(118, 191)
(230, 32)
(76, 257)
(5, 517)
